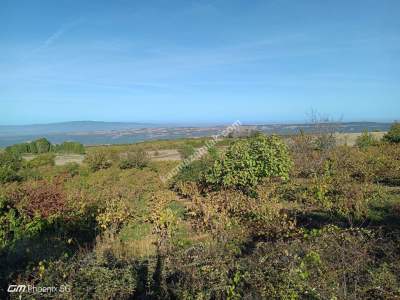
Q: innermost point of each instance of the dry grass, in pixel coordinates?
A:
(61, 159)
(125, 249)
(350, 138)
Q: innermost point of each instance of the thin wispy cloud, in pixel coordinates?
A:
(54, 37)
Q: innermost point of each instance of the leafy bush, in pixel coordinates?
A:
(186, 151)
(14, 224)
(88, 277)
(72, 168)
(10, 164)
(249, 161)
(70, 147)
(195, 171)
(365, 140)
(325, 142)
(42, 145)
(192, 172)
(42, 160)
(135, 159)
(115, 213)
(40, 198)
(308, 161)
(18, 148)
(393, 135)
(97, 160)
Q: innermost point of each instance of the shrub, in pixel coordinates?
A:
(384, 163)
(393, 135)
(186, 151)
(87, 277)
(325, 141)
(40, 198)
(15, 224)
(115, 213)
(194, 172)
(18, 148)
(98, 160)
(323, 130)
(248, 161)
(307, 160)
(42, 145)
(42, 160)
(70, 147)
(135, 159)
(365, 140)
(71, 168)
(10, 164)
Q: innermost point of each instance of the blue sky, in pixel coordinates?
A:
(198, 61)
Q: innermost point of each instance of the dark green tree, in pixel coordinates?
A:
(393, 135)
(42, 145)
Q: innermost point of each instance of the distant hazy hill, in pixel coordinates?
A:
(67, 127)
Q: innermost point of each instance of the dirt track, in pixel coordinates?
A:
(160, 155)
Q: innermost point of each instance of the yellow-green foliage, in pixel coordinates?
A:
(365, 140)
(42, 160)
(99, 159)
(10, 164)
(247, 162)
(134, 159)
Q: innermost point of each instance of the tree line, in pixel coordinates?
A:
(42, 145)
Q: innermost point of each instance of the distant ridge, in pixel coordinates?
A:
(66, 127)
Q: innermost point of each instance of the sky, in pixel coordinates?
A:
(199, 61)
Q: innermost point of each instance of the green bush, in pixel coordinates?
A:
(10, 164)
(72, 168)
(195, 171)
(192, 172)
(46, 159)
(42, 145)
(365, 140)
(248, 161)
(135, 159)
(86, 277)
(97, 160)
(186, 151)
(393, 135)
(70, 147)
(14, 224)
(18, 148)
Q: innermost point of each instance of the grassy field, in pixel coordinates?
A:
(350, 138)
